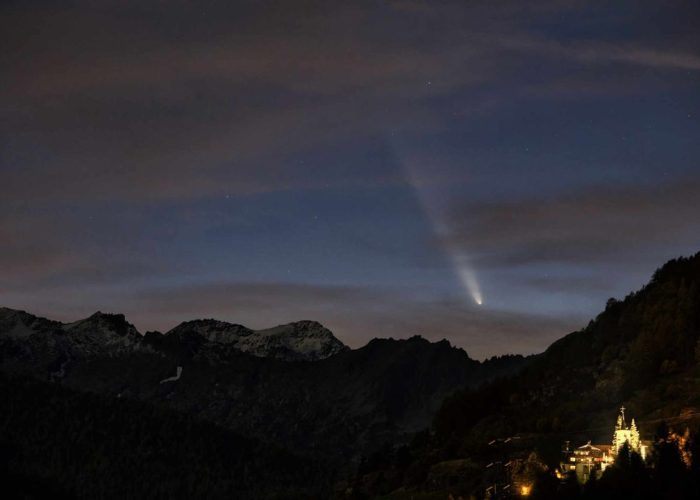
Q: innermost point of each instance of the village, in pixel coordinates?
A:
(591, 460)
(586, 462)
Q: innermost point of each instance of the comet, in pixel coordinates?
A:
(467, 276)
(463, 268)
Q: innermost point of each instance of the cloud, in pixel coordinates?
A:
(602, 224)
(596, 52)
(44, 247)
(227, 101)
(566, 284)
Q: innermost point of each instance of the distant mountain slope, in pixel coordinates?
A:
(111, 334)
(269, 384)
(299, 341)
(40, 347)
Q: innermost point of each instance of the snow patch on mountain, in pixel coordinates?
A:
(175, 378)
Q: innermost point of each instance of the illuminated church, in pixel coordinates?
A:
(589, 459)
(624, 434)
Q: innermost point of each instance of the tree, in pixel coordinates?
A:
(628, 477)
(570, 488)
(546, 487)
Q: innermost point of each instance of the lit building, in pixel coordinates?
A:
(585, 461)
(588, 460)
(627, 434)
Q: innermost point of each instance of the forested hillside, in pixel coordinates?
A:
(57, 443)
(642, 351)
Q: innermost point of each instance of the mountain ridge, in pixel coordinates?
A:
(303, 340)
(340, 406)
(297, 341)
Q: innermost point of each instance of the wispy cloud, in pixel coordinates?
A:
(172, 110)
(596, 52)
(584, 226)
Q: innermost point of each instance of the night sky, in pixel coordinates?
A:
(379, 167)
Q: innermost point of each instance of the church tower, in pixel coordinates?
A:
(626, 434)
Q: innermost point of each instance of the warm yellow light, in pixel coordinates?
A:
(525, 490)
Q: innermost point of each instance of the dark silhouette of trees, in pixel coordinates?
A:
(546, 487)
(57, 443)
(628, 477)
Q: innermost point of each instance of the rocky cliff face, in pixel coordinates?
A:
(44, 348)
(299, 341)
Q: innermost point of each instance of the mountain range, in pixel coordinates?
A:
(396, 417)
(295, 386)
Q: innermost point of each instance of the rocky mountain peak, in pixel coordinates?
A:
(101, 333)
(104, 322)
(299, 341)
(15, 324)
(20, 325)
(212, 330)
